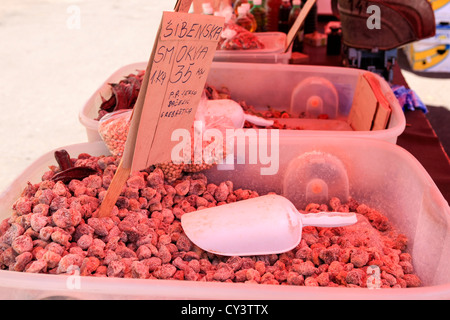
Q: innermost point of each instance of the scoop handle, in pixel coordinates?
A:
(328, 219)
(258, 120)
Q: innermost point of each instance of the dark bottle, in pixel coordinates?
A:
(245, 19)
(334, 43)
(283, 16)
(298, 39)
(273, 7)
(259, 12)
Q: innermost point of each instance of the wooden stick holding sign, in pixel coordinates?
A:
(170, 93)
(298, 23)
(183, 6)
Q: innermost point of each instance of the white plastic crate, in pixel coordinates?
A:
(262, 85)
(432, 54)
(380, 174)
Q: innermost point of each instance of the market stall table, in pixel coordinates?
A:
(420, 139)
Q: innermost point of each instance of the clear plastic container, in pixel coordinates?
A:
(273, 52)
(249, 82)
(262, 93)
(380, 174)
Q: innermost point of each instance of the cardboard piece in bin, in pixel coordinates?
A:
(384, 110)
(177, 76)
(370, 109)
(170, 92)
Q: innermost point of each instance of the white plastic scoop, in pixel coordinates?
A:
(259, 226)
(233, 110)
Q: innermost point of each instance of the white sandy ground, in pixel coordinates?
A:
(50, 65)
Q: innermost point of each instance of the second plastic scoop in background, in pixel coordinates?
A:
(233, 111)
(259, 226)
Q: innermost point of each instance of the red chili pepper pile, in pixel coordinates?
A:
(124, 94)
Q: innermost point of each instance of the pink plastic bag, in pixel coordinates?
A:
(113, 129)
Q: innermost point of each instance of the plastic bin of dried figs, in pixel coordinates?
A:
(51, 243)
(306, 100)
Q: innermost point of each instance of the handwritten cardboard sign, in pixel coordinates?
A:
(170, 92)
(298, 23)
(180, 64)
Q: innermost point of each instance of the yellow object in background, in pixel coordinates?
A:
(432, 54)
(441, 10)
(437, 4)
(430, 58)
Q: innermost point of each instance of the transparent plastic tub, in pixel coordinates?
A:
(273, 52)
(263, 85)
(380, 174)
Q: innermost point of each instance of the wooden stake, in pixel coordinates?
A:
(298, 23)
(124, 169)
(114, 190)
